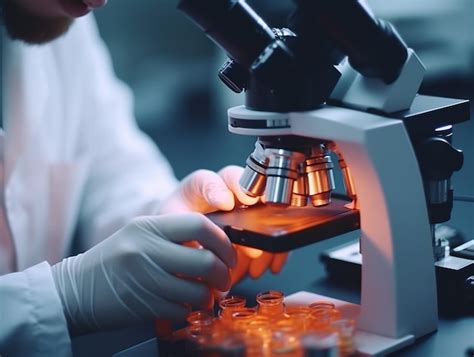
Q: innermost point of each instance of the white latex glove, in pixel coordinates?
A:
(143, 272)
(254, 263)
(205, 191)
(250, 261)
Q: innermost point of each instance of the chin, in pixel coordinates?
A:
(22, 26)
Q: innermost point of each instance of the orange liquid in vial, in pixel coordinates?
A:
(301, 314)
(286, 338)
(270, 304)
(322, 305)
(242, 317)
(270, 329)
(200, 317)
(228, 305)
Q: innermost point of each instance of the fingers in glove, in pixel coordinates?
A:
(278, 262)
(187, 227)
(167, 310)
(179, 290)
(241, 268)
(138, 312)
(231, 176)
(259, 265)
(192, 263)
(205, 191)
(253, 253)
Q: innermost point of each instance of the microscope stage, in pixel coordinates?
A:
(280, 229)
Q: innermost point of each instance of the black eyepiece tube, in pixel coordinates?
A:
(373, 46)
(232, 25)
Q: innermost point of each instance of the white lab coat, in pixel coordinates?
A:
(73, 158)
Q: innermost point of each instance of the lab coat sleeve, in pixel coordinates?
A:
(32, 321)
(128, 175)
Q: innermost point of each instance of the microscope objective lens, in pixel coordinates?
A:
(284, 177)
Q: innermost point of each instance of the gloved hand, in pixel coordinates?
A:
(205, 191)
(142, 271)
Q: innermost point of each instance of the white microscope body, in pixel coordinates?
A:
(301, 101)
(398, 295)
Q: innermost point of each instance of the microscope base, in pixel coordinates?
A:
(368, 344)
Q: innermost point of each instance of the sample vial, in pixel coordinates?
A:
(322, 305)
(200, 317)
(345, 329)
(261, 327)
(270, 329)
(229, 304)
(286, 339)
(254, 346)
(321, 319)
(300, 314)
(242, 317)
(270, 304)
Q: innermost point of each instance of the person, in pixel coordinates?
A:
(74, 164)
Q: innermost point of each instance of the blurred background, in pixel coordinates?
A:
(172, 69)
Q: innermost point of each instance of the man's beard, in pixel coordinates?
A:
(31, 29)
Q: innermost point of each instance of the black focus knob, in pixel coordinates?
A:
(438, 159)
(234, 76)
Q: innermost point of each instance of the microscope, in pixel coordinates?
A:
(340, 83)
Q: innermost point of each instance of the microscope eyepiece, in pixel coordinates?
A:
(232, 25)
(373, 46)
